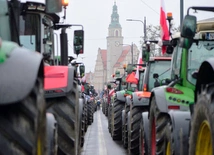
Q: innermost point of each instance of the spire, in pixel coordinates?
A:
(115, 17)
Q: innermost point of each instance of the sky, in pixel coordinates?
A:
(95, 16)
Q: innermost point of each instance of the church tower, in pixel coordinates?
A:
(114, 41)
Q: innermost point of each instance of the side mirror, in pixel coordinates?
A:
(78, 42)
(129, 68)
(155, 75)
(169, 50)
(188, 27)
(53, 6)
(82, 70)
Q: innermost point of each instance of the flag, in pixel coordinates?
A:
(140, 61)
(163, 26)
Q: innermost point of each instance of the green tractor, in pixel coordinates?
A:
(201, 134)
(119, 87)
(170, 106)
(118, 105)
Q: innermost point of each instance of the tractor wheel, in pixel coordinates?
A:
(89, 113)
(202, 127)
(133, 141)
(125, 127)
(52, 136)
(143, 142)
(64, 109)
(23, 124)
(82, 126)
(84, 114)
(157, 122)
(109, 118)
(116, 128)
(103, 107)
(106, 109)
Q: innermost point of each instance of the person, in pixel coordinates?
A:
(98, 104)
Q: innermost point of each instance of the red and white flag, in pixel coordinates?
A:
(140, 61)
(163, 25)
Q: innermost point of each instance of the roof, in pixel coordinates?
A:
(206, 20)
(123, 56)
(103, 53)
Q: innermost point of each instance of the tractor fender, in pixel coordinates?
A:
(206, 68)
(51, 132)
(180, 123)
(146, 126)
(161, 102)
(139, 99)
(64, 75)
(18, 74)
(123, 117)
(128, 100)
(120, 96)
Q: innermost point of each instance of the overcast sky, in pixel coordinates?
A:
(95, 16)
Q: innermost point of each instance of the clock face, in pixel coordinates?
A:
(117, 43)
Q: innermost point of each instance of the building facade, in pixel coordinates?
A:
(115, 56)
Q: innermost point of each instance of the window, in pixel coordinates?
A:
(30, 31)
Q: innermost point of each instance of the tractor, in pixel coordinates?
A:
(199, 34)
(156, 73)
(26, 128)
(118, 105)
(118, 83)
(170, 106)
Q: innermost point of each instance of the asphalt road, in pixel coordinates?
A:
(98, 140)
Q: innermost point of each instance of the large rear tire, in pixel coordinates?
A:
(157, 122)
(116, 128)
(202, 126)
(125, 127)
(65, 110)
(52, 142)
(23, 124)
(109, 118)
(89, 113)
(133, 141)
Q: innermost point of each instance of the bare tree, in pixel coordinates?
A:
(153, 33)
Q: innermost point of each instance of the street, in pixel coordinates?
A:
(98, 140)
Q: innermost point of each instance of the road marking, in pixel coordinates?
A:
(102, 146)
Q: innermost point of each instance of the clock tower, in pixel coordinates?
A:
(114, 41)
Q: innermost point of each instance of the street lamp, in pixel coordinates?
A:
(118, 44)
(144, 25)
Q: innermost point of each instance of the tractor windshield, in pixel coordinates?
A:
(30, 31)
(196, 55)
(162, 68)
